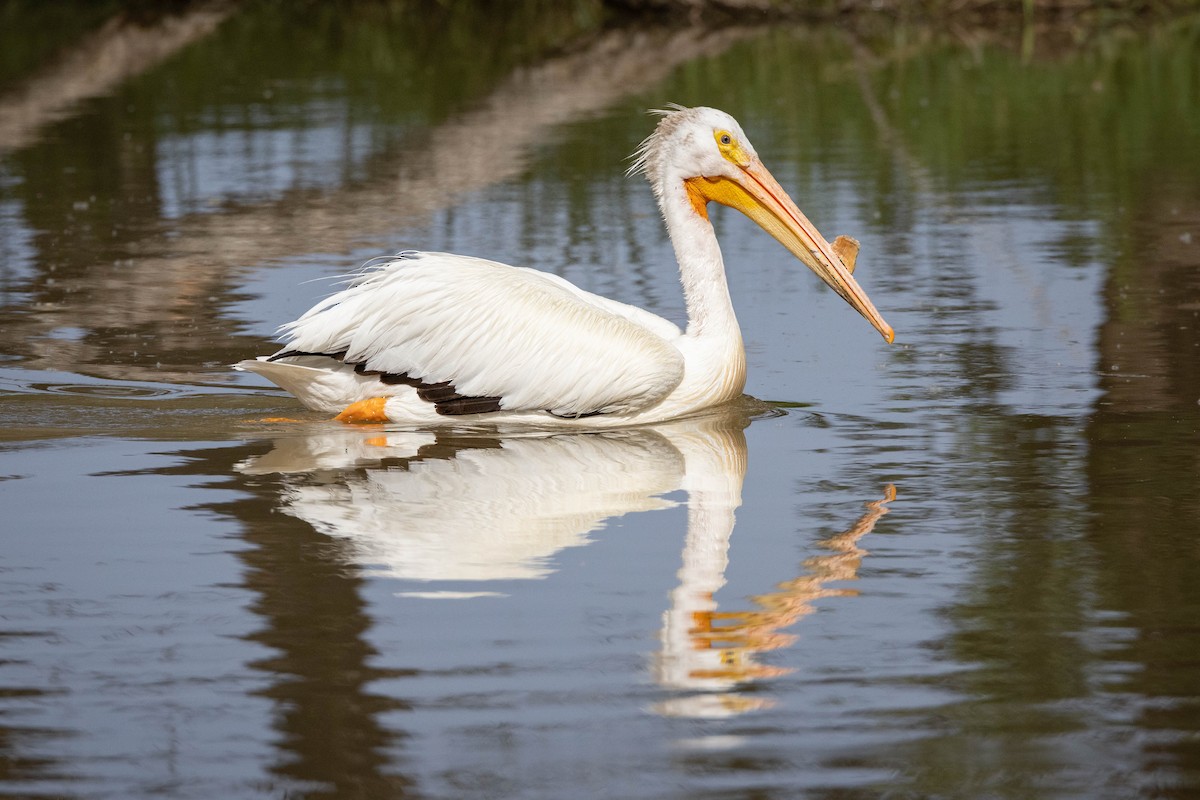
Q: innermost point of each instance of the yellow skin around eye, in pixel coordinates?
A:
(727, 143)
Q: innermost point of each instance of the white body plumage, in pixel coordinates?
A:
(552, 353)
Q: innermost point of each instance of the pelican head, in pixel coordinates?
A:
(705, 154)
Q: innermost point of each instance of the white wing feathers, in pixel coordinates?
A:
(533, 340)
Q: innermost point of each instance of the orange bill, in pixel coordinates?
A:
(759, 196)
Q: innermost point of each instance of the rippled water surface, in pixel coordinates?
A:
(965, 565)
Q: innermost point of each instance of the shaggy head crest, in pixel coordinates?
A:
(648, 153)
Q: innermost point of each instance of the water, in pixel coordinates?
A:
(961, 566)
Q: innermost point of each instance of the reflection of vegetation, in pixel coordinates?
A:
(391, 61)
(979, 11)
(438, 34)
(31, 31)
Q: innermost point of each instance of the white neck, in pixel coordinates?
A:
(713, 341)
(701, 268)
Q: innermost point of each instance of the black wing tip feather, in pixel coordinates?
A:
(467, 405)
(282, 354)
(580, 415)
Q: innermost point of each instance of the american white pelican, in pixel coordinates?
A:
(433, 337)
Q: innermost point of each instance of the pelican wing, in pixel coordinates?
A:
(488, 330)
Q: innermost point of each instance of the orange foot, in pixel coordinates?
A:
(369, 410)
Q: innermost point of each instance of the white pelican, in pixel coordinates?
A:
(434, 337)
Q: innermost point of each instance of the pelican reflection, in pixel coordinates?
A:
(707, 653)
(426, 506)
(438, 506)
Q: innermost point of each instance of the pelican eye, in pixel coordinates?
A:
(727, 143)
